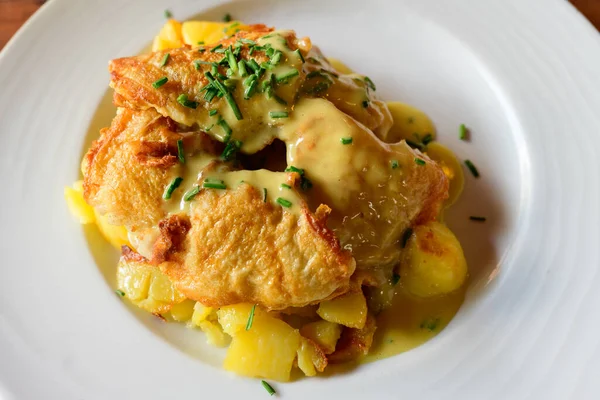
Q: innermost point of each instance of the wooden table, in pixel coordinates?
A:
(13, 13)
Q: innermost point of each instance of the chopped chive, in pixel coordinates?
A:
(200, 43)
(276, 58)
(365, 103)
(231, 60)
(230, 83)
(462, 132)
(248, 41)
(191, 194)
(472, 168)
(395, 279)
(370, 83)
(305, 183)
(279, 100)
(184, 101)
(164, 60)
(268, 388)
(299, 54)
(250, 89)
(291, 168)
(214, 185)
(249, 80)
(171, 187)
(419, 161)
(285, 186)
(242, 68)
(217, 47)
(287, 75)
(232, 147)
(278, 114)
(227, 17)
(210, 94)
(270, 52)
(394, 164)
(212, 112)
(285, 203)
(405, 236)
(427, 139)
(160, 82)
(226, 128)
(250, 317)
(346, 140)
(254, 65)
(180, 152)
(168, 14)
(414, 145)
(120, 292)
(430, 324)
(479, 219)
(267, 66)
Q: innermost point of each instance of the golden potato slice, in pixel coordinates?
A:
(324, 333)
(202, 313)
(196, 33)
(214, 333)
(169, 36)
(144, 285)
(354, 343)
(266, 350)
(234, 318)
(77, 204)
(432, 262)
(349, 310)
(452, 169)
(183, 311)
(310, 357)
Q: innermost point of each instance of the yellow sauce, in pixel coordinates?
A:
(411, 321)
(410, 123)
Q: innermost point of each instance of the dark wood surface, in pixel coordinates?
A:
(13, 13)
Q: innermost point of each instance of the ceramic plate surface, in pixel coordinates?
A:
(523, 75)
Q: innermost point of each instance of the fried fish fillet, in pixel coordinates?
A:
(235, 248)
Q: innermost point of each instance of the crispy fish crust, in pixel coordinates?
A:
(236, 248)
(127, 168)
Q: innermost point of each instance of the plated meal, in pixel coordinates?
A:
(262, 193)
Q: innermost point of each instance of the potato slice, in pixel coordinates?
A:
(266, 350)
(348, 310)
(169, 36)
(202, 313)
(214, 333)
(452, 169)
(324, 334)
(183, 311)
(432, 262)
(354, 343)
(77, 204)
(310, 357)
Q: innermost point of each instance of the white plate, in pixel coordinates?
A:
(524, 76)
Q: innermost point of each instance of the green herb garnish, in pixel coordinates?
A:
(171, 187)
(268, 388)
(299, 54)
(184, 101)
(242, 68)
(285, 186)
(365, 103)
(264, 195)
(406, 236)
(430, 324)
(472, 168)
(212, 112)
(227, 18)
(419, 161)
(479, 219)
(427, 139)
(217, 47)
(250, 317)
(160, 82)
(168, 14)
(462, 132)
(346, 140)
(291, 168)
(278, 114)
(285, 203)
(287, 75)
(192, 193)
(232, 147)
(120, 292)
(164, 60)
(394, 164)
(180, 152)
(216, 184)
(370, 83)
